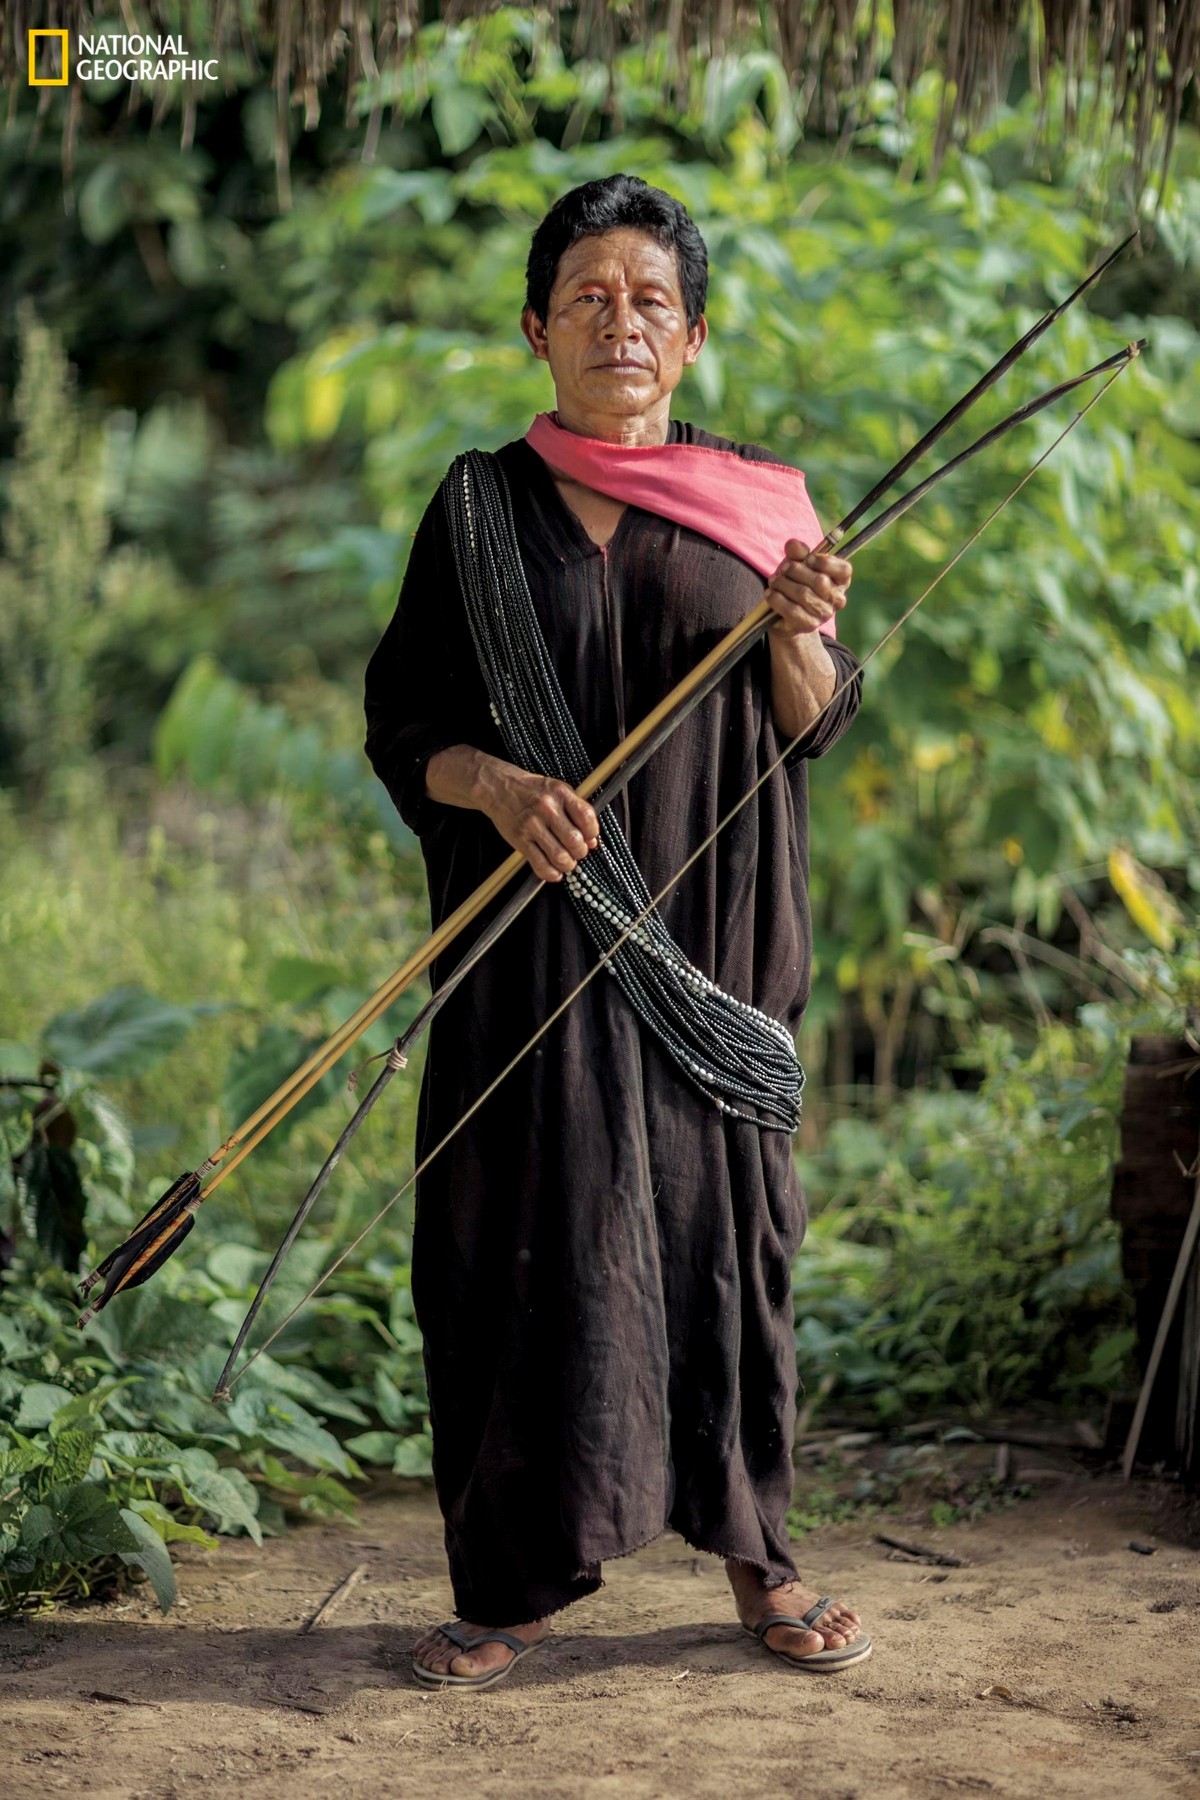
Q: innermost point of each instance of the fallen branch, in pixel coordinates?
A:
(919, 1552)
(334, 1599)
(107, 1699)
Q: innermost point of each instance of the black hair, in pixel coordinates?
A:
(616, 202)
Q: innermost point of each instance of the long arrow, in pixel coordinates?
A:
(397, 1057)
(227, 1379)
(172, 1217)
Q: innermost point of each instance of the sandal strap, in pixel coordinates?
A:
(805, 1624)
(814, 1612)
(454, 1631)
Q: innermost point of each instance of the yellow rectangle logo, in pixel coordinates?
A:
(36, 80)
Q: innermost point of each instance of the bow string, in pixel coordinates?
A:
(172, 1217)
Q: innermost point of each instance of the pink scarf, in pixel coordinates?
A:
(751, 508)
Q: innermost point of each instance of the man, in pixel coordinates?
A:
(601, 1257)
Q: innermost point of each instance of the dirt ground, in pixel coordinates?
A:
(1054, 1661)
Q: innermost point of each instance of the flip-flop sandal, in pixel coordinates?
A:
(820, 1661)
(456, 1634)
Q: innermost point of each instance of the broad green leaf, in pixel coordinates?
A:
(39, 1403)
(414, 1456)
(321, 1495)
(85, 1409)
(395, 1408)
(459, 115)
(237, 1266)
(170, 1529)
(140, 1449)
(306, 1385)
(296, 980)
(124, 1033)
(152, 1556)
(18, 1062)
(311, 1443)
(286, 1425)
(258, 1069)
(87, 1524)
(71, 1456)
(103, 207)
(224, 1499)
(37, 1525)
(21, 1458)
(15, 1346)
(374, 1446)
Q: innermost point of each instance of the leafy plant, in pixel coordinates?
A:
(65, 1139)
(110, 1448)
(223, 736)
(119, 1423)
(961, 1254)
(1023, 772)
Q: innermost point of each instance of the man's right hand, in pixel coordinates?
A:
(546, 820)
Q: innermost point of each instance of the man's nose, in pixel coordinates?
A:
(621, 320)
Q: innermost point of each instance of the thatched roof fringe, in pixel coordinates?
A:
(830, 49)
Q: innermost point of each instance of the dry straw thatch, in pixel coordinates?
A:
(1146, 50)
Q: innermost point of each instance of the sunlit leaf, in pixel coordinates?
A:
(1145, 898)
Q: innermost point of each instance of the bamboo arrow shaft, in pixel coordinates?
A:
(398, 1056)
(640, 743)
(278, 1104)
(228, 1378)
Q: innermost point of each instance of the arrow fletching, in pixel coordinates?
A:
(152, 1241)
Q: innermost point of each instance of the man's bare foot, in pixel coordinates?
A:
(441, 1656)
(836, 1626)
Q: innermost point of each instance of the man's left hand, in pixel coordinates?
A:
(805, 590)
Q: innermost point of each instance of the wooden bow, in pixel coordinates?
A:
(172, 1217)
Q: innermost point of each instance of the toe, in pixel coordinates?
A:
(481, 1661)
(794, 1643)
(434, 1652)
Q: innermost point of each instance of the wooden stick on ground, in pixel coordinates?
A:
(334, 1600)
(942, 1558)
(1186, 1251)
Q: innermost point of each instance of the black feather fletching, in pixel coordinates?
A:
(163, 1229)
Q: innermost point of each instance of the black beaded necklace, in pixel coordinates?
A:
(729, 1050)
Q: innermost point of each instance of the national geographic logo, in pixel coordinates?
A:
(144, 59)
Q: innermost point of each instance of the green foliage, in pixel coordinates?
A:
(961, 1254)
(125, 1032)
(55, 530)
(1000, 741)
(902, 1477)
(134, 1389)
(110, 1448)
(225, 738)
(50, 1172)
(199, 556)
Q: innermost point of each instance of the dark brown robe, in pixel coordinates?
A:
(601, 1261)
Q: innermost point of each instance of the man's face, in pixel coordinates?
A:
(616, 334)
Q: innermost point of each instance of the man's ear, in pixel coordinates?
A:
(535, 333)
(696, 340)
